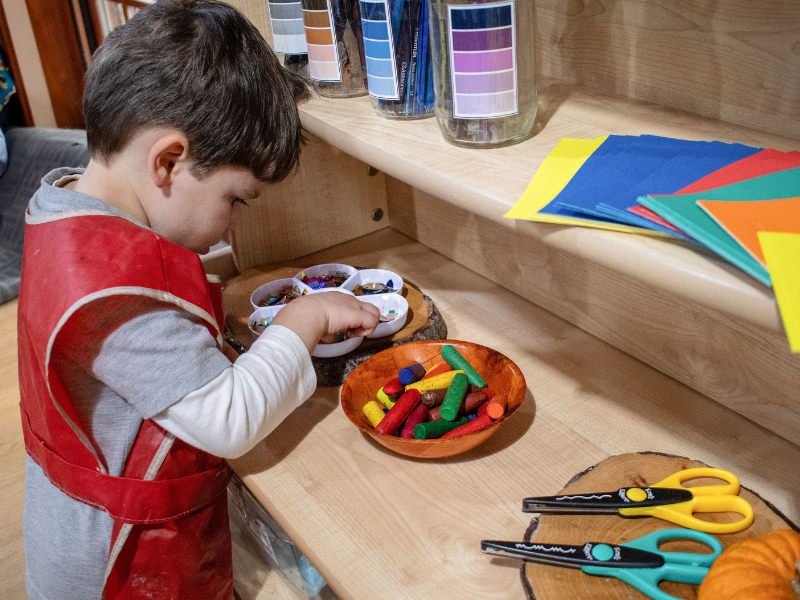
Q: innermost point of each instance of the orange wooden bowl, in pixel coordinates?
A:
(501, 375)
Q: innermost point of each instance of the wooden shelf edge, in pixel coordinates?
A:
(488, 182)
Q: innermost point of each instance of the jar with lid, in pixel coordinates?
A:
(483, 70)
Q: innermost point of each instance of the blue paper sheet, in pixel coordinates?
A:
(626, 167)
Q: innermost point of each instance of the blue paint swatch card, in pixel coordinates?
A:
(379, 49)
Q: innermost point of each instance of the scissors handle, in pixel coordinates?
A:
(676, 481)
(684, 567)
(683, 513)
(705, 499)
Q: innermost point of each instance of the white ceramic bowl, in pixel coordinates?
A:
(264, 291)
(261, 313)
(319, 270)
(374, 276)
(387, 302)
(337, 348)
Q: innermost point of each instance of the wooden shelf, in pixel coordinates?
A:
(488, 182)
(378, 525)
(673, 305)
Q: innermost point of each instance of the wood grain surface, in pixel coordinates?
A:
(329, 199)
(378, 525)
(12, 454)
(734, 60)
(627, 470)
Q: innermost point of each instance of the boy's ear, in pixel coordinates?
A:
(167, 156)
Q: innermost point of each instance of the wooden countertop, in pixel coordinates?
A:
(489, 182)
(378, 525)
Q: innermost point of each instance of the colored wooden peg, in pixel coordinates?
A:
(438, 370)
(438, 381)
(457, 361)
(374, 412)
(436, 429)
(475, 425)
(393, 387)
(411, 373)
(417, 416)
(453, 405)
(399, 412)
(496, 407)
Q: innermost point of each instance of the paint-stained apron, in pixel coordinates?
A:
(171, 538)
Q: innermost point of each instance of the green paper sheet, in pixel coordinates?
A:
(684, 212)
(782, 251)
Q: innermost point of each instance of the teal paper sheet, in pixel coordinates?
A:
(682, 210)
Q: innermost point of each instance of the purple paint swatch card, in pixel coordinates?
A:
(483, 60)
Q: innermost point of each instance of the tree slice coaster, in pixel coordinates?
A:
(542, 582)
(424, 321)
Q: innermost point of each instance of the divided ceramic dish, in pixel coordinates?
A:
(388, 302)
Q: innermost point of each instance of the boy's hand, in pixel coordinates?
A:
(321, 317)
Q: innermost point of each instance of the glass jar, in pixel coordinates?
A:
(335, 47)
(399, 68)
(483, 70)
(288, 35)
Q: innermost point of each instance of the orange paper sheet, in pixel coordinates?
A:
(743, 220)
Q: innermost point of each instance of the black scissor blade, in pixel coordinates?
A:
(604, 502)
(563, 555)
(550, 554)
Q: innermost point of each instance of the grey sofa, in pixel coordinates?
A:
(32, 153)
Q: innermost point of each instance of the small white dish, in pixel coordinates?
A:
(337, 348)
(263, 292)
(385, 303)
(382, 276)
(320, 270)
(339, 290)
(265, 312)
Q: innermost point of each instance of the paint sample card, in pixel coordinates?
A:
(483, 64)
(323, 53)
(288, 30)
(379, 50)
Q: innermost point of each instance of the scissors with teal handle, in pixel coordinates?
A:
(638, 563)
(668, 500)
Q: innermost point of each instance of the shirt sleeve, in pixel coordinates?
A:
(237, 409)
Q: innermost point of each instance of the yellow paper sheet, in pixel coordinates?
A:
(782, 251)
(555, 172)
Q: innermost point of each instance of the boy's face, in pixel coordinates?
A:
(197, 213)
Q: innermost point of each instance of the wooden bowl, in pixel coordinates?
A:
(501, 375)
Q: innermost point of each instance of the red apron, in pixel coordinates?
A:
(171, 538)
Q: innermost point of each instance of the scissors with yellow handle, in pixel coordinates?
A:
(668, 500)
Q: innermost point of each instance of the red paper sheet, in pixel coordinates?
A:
(761, 163)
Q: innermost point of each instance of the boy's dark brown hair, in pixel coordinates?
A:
(204, 69)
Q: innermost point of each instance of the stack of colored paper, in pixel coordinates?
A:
(741, 202)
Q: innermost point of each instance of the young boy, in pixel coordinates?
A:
(128, 399)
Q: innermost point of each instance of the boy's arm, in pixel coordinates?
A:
(241, 406)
